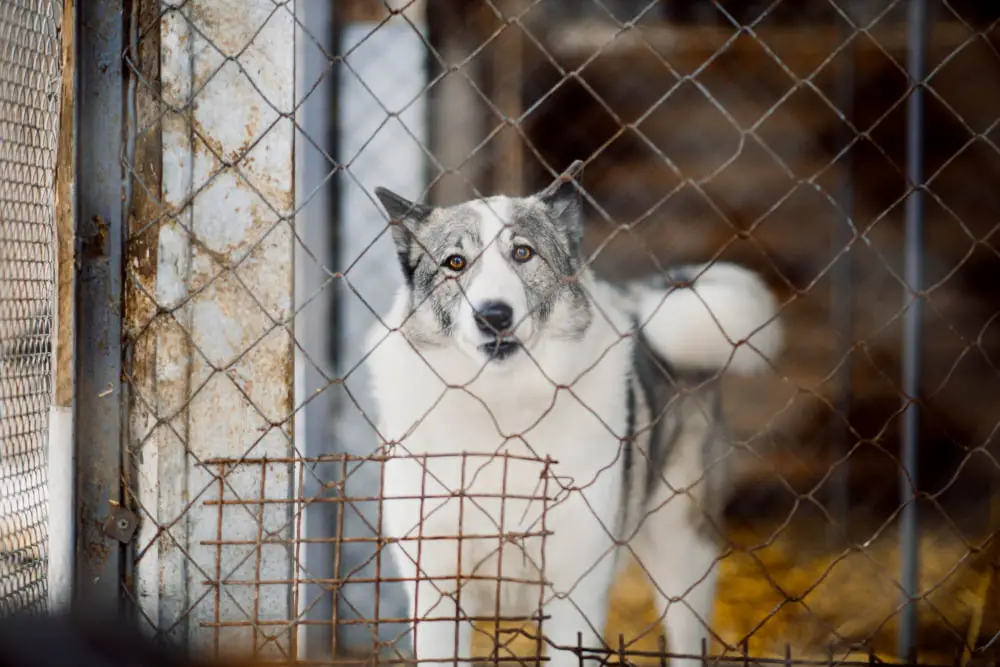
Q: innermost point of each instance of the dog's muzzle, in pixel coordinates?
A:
(495, 319)
(500, 349)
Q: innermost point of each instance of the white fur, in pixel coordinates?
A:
(418, 410)
(495, 279)
(443, 401)
(727, 320)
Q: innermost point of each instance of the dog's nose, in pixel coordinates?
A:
(494, 317)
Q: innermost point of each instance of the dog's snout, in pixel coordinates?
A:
(494, 317)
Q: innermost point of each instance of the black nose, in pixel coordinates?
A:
(494, 317)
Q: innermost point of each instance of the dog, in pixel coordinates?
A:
(541, 426)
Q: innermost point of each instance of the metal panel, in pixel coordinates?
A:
(29, 127)
(99, 291)
(215, 355)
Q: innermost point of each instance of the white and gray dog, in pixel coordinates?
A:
(506, 366)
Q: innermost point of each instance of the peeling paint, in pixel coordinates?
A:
(221, 276)
(171, 265)
(141, 291)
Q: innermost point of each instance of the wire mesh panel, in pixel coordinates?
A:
(29, 119)
(649, 331)
(772, 136)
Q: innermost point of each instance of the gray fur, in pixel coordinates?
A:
(666, 409)
(425, 236)
(666, 403)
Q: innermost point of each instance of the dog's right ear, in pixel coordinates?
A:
(405, 216)
(564, 202)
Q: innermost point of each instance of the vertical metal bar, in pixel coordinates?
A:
(457, 117)
(913, 274)
(508, 175)
(315, 202)
(842, 300)
(144, 188)
(390, 59)
(100, 232)
(130, 119)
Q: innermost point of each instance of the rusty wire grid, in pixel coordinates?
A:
(29, 115)
(769, 134)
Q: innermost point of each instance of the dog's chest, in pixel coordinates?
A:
(487, 481)
(516, 432)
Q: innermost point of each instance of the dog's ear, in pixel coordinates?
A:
(404, 217)
(564, 203)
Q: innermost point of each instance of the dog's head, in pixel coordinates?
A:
(493, 275)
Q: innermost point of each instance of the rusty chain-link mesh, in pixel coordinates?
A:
(769, 134)
(29, 115)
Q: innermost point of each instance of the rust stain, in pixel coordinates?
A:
(92, 245)
(208, 23)
(164, 542)
(288, 377)
(213, 148)
(65, 216)
(206, 143)
(145, 211)
(98, 552)
(141, 320)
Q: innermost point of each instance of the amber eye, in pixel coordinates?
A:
(522, 253)
(455, 263)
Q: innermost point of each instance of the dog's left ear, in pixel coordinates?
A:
(564, 202)
(404, 216)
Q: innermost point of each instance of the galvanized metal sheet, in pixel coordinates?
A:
(222, 385)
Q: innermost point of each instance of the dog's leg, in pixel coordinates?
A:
(577, 618)
(680, 560)
(580, 566)
(440, 635)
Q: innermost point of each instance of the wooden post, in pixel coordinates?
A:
(508, 170)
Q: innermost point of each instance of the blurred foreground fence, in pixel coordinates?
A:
(228, 256)
(30, 84)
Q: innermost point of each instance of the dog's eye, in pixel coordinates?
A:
(522, 253)
(455, 263)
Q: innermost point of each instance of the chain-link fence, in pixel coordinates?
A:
(29, 126)
(353, 424)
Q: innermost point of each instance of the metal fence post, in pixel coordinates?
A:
(842, 302)
(386, 73)
(315, 226)
(99, 291)
(913, 270)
